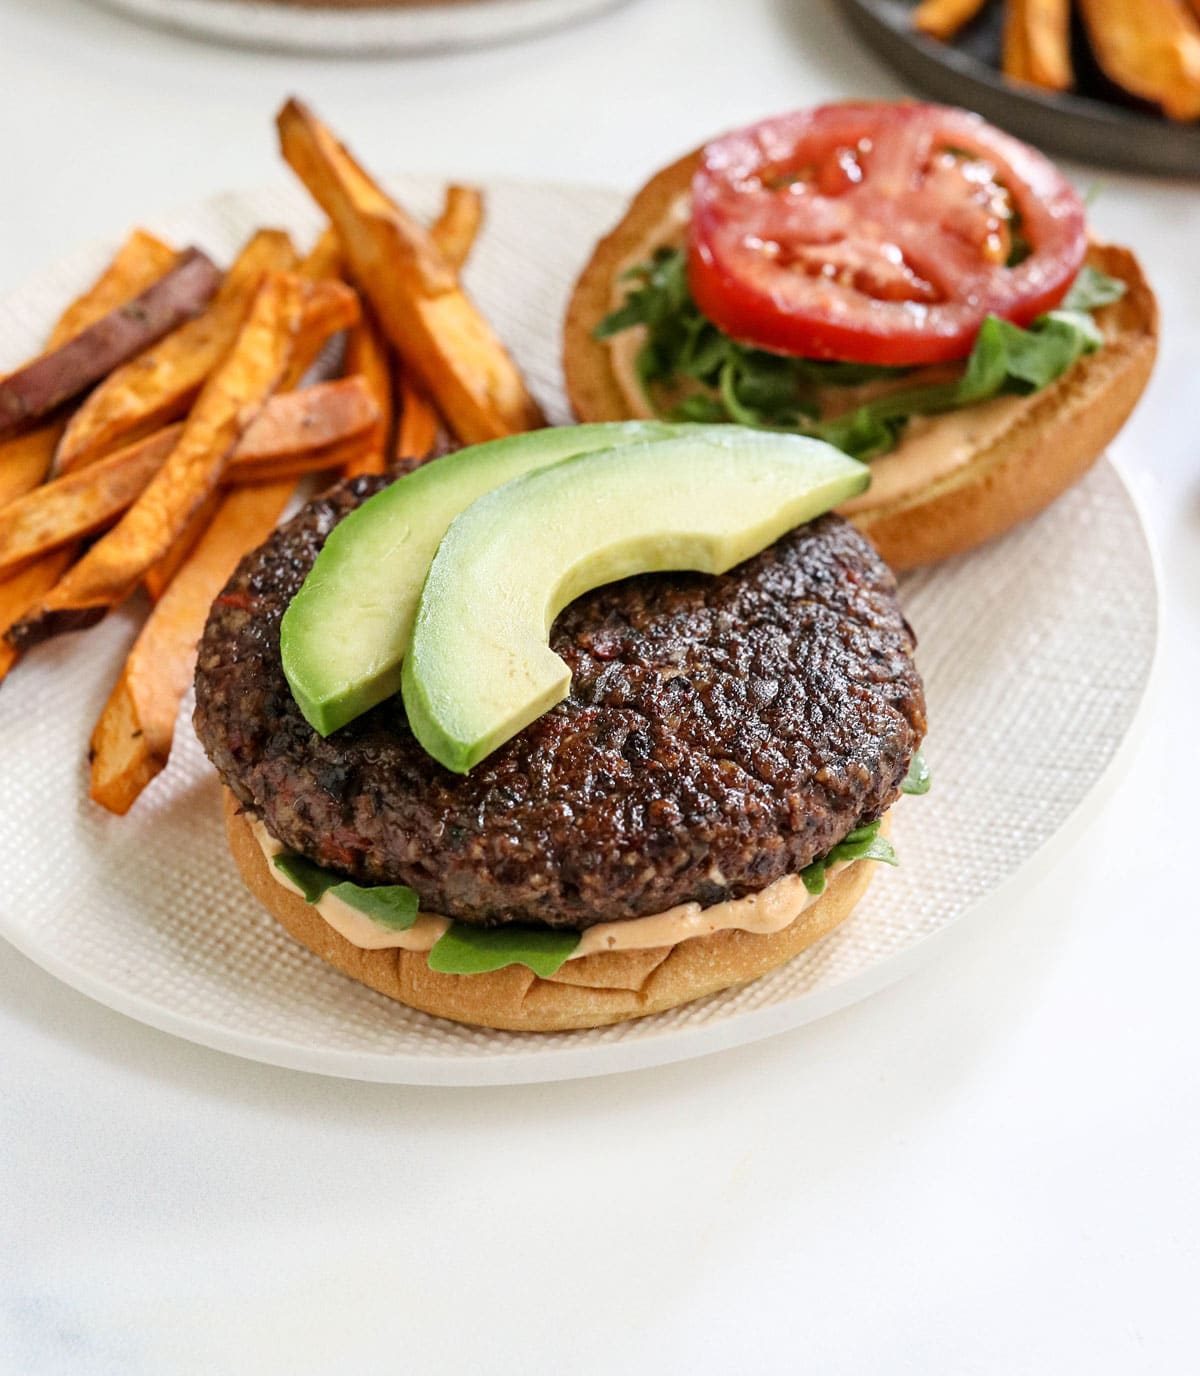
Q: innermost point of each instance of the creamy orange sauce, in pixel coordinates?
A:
(933, 448)
(764, 913)
(670, 232)
(358, 929)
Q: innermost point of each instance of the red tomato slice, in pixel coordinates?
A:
(877, 233)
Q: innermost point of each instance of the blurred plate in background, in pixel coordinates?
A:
(966, 72)
(408, 26)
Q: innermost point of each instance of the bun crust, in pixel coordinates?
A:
(1051, 440)
(591, 992)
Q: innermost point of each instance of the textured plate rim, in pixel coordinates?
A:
(675, 1045)
(671, 1044)
(342, 32)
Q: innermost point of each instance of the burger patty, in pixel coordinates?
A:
(720, 733)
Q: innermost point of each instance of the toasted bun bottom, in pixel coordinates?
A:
(590, 992)
(1051, 441)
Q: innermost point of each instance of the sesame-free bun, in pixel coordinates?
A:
(1046, 443)
(590, 992)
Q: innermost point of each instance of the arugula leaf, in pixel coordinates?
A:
(773, 391)
(918, 778)
(467, 950)
(863, 843)
(393, 906)
(738, 383)
(1092, 289)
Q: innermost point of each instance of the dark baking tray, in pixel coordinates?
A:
(1098, 124)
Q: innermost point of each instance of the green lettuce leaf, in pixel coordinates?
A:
(1093, 289)
(734, 382)
(863, 843)
(393, 906)
(918, 778)
(466, 950)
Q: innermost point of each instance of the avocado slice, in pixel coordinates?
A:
(480, 668)
(345, 632)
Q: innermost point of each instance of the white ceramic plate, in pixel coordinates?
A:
(415, 27)
(1036, 653)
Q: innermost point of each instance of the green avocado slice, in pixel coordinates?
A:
(479, 667)
(346, 631)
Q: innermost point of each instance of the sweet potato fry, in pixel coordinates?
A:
(1152, 49)
(367, 357)
(1014, 51)
(25, 461)
(417, 429)
(114, 339)
(943, 18)
(157, 578)
(132, 739)
(25, 589)
(141, 260)
(1037, 43)
(324, 259)
(457, 227)
(322, 427)
(302, 432)
(159, 385)
(413, 289)
(331, 306)
(231, 398)
(298, 423)
(340, 455)
(80, 503)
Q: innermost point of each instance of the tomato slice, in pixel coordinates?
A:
(878, 233)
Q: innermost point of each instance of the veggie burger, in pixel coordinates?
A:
(902, 280)
(566, 728)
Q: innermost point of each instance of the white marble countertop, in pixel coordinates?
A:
(990, 1168)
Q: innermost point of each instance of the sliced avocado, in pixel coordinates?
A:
(479, 667)
(345, 632)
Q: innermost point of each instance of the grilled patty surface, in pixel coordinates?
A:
(720, 733)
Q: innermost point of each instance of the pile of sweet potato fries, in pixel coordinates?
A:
(163, 430)
(1150, 48)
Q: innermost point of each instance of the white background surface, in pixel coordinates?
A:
(991, 1168)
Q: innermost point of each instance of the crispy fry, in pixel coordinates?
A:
(159, 385)
(943, 18)
(231, 398)
(1152, 49)
(294, 424)
(417, 430)
(1037, 43)
(331, 306)
(341, 455)
(457, 227)
(25, 461)
(45, 383)
(157, 578)
(300, 432)
(141, 260)
(25, 589)
(412, 288)
(132, 739)
(80, 503)
(367, 356)
(324, 259)
(1014, 53)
